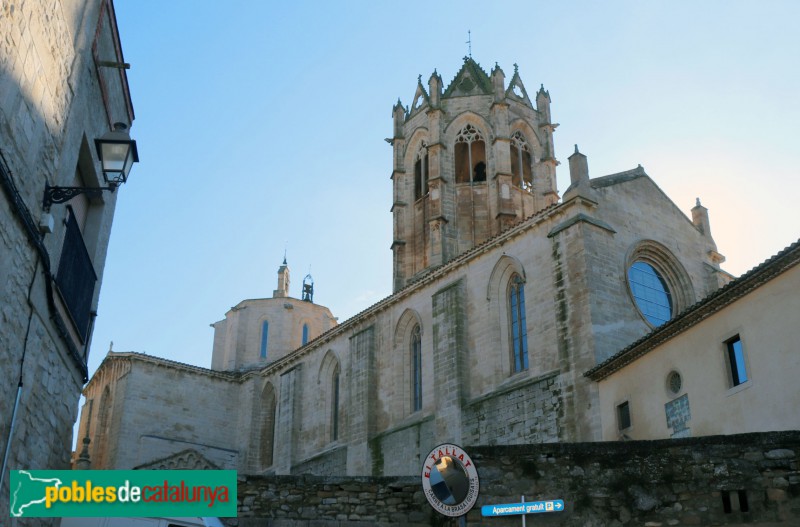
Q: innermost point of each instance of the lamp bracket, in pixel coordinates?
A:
(112, 64)
(63, 194)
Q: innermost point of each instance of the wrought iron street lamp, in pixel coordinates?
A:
(117, 153)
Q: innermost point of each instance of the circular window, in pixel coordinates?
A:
(674, 382)
(650, 292)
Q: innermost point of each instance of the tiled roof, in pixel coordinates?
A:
(480, 77)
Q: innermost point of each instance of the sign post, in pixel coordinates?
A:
(522, 508)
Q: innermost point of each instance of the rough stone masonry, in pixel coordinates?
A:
(748, 479)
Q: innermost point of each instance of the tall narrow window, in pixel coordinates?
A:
(470, 156)
(267, 439)
(305, 334)
(335, 405)
(736, 361)
(519, 331)
(421, 172)
(264, 338)
(416, 369)
(521, 162)
(624, 416)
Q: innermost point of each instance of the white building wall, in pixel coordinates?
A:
(768, 322)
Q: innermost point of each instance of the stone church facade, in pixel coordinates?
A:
(504, 296)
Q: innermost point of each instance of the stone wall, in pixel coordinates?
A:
(143, 391)
(329, 462)
(524, 413)
(717, 480)
(395, 451)
(54, 99)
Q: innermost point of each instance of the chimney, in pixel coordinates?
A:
(578, 168)
(700, 219)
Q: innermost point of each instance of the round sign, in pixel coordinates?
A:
(450, 480)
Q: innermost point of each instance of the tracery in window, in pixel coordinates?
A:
(421, 171)
(521, 162)
(658, 284)
(519, 331)
(651, 293)
(470, 156)
(416, 369)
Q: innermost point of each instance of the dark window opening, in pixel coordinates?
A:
(264, 338)
(743, 505)
(470, 154)
(416, 369)
(421, 175)
(726, 502)
(521, 162)
(519, 330)
(335, 403)
(515, 168)
(527, 176)
(480, 172)
(624, 415)
(736, 361)
(732, 498)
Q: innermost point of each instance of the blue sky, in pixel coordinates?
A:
(260, 127)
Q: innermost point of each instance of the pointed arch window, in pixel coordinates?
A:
(305, 334)
(519, 331)
(416, 369)
(421, 172)
(335, 404)
(264, 338)
(470, 156)
(521, 162)
(269, 405)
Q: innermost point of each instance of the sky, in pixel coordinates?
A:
(260, 128)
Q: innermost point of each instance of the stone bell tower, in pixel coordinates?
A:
(469, 161)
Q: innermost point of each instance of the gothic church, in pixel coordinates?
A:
(505, 294)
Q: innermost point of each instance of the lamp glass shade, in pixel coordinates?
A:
(117, 153)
